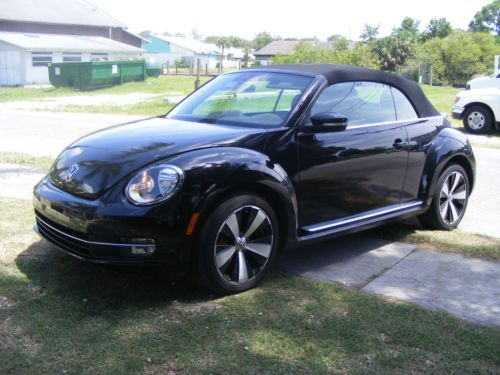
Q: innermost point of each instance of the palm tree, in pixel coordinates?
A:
(222, 42)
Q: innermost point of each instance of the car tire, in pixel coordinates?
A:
(237, 244)
(450, 200)
(477, 119)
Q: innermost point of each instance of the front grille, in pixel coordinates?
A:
(60, 237)
(80, 245)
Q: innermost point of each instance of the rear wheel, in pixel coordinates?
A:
(477, 119)
(450, 200)
(237, 244)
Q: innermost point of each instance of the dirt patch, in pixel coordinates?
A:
(15, 338)
(5, 303)
(161, 369)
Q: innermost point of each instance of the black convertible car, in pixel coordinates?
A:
(253, 162)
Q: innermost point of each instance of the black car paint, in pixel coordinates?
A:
(281, 164)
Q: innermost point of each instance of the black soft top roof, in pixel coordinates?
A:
(342, 73)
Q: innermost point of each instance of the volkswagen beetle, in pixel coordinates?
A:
(254, 162)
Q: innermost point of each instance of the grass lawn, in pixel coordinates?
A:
(455, 241)
(58, 315)
(162, 85)
(41, 162)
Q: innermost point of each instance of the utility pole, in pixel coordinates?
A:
(198, 68)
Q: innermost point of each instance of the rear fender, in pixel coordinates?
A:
(449, 145)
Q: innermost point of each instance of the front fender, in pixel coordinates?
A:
(211, 174)
(449, 144)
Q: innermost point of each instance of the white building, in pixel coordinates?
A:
(24, 57)
(162, 49)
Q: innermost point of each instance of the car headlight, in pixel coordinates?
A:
(154, 184)
(457, 98)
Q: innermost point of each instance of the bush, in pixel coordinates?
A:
(458, 57)
(306, 52)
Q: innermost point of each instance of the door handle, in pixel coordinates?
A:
(399, 144)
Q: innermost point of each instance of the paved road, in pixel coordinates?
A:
(483, 211)
(46, 133)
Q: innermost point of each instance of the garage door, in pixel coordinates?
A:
(10, 68)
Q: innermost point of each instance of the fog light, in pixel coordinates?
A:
(142, 247)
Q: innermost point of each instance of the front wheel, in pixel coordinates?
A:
(450, 200)
(477, 120)
(237, 244)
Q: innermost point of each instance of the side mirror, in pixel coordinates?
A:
(333, 120)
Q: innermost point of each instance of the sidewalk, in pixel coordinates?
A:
(464, 287)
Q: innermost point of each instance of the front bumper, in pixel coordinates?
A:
(456, 112)
(111, 230)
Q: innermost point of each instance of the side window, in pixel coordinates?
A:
(363, 103)
(404, 109)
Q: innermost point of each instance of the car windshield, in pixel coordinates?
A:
(254, 99)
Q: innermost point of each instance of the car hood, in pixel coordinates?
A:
(487, 91)
(96, 162)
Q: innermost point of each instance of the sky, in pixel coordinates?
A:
(307, 18)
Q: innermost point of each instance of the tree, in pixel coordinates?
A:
(487, 19)
(459, 57)
(235, 41)
(339, 42)
(246, 56)
(369, 33)
(437, 28)
(144, 33)
(306, 52)
(408, 30)
(393, 51)
(223, 42)
(263, 39)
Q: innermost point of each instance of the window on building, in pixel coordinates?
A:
(99, 57)
(72, 57)
(41, 58)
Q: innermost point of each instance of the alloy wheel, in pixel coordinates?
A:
(453, 198)
(243, 244)
(476, 120)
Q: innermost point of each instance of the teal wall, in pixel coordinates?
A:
(157, 45)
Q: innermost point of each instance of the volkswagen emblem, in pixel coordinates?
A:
(71, 172)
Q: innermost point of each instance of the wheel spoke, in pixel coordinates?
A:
(256, 223)
(460, 195)
(242, 268)
(444, 210)
(445, 189)
(454, 212)
(232, 224)
(224, 256)
(456, 181)
(262, 249)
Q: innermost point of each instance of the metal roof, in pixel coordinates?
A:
(67, 12)
(282, 47)
(191, 44)
(66, 43)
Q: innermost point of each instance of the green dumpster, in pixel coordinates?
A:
(95, 74)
